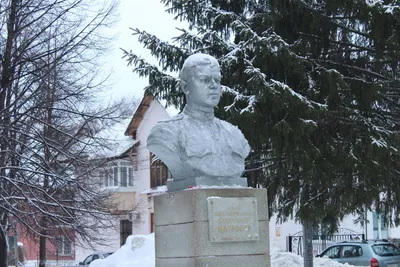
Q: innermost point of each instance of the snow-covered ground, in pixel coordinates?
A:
(138, 251)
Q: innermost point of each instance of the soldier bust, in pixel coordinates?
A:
(198, 148)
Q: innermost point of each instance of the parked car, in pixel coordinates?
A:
(92, 257)
(377, 253)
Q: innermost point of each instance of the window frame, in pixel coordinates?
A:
(118, 173)
(123, 172)
(331, 248)
(159, 173)
(125, 230)
(379, 253)
(64, 241)
(88, 260)
(351, 248)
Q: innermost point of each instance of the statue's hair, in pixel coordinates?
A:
(193, 61)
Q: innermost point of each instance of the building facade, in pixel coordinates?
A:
(131, 175)
(373, 229)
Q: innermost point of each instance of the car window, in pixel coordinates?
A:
(386, 250)
(350, 251)
(332, 252)
(95, 257)
(88, 260)
(105, 255)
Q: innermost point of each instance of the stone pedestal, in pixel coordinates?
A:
(212, 227)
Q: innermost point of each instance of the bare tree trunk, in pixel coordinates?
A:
(5, 85)
(42, 249)
(6, 64)
(3, 248)
(50, 95)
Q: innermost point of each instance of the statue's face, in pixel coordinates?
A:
(204, 86)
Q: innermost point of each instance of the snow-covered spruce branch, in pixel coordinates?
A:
(182, 5)
(256, 76)
(199, 13)
(388, 9)
(269, 41)
(370, 72)
(193, 42)
(378, 134)
(262, 167)
(142, 67)
(239, 97)
(285, 89)
(169, 56)
(219, 15)
(212, 39)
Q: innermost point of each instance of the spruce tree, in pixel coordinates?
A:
(312, 84)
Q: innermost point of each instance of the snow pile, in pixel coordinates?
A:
(287, 259)
(139, 252)
(326, 262)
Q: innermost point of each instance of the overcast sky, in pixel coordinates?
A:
(148, 15)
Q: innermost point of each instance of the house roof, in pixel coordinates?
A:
(138, 116)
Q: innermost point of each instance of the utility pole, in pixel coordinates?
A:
(379, 218)
(366, 224)
(307, 243)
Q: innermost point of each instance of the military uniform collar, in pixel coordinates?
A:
(197, 114)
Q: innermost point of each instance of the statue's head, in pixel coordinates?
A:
(201, 81)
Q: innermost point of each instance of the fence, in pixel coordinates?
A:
(294, 243)
(50, 263)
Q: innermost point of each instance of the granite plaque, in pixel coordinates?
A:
(232, 219)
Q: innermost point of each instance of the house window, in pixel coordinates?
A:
(130, 177)
(158, 172)
(119, 173)
(64, 246)
(124, 176)
(125, 230)
(115, 176)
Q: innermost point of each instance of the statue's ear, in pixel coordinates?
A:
(184, 87)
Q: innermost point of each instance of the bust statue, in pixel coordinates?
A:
(198, 148)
